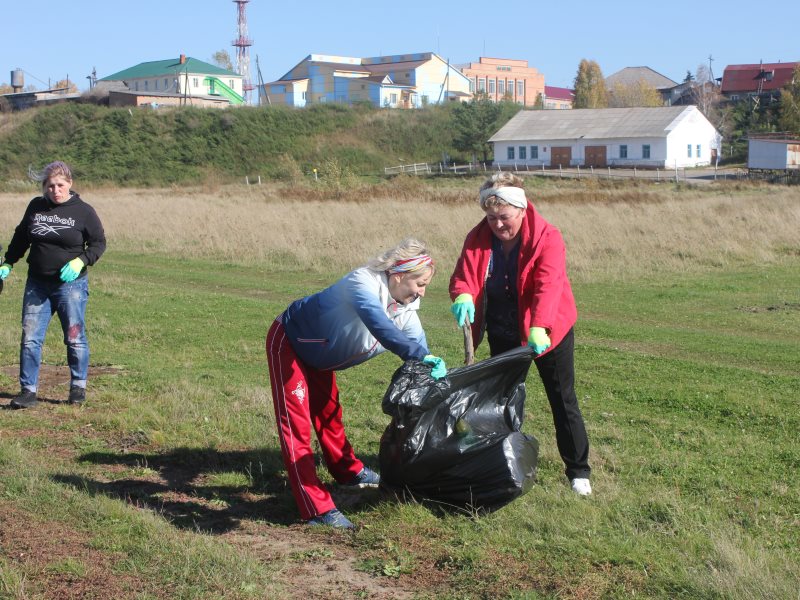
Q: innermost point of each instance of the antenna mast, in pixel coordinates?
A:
(242, 44)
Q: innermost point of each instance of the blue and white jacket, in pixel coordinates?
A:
(352, 321)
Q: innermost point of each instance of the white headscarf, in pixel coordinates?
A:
(512, 195)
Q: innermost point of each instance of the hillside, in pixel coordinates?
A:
(172, 146)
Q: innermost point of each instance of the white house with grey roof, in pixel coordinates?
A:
(652, 137)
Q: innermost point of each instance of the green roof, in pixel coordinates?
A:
(171, 66)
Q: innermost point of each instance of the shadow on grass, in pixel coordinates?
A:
(202, 489)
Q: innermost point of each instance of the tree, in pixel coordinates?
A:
(704, 93)
(65, 83)
(789, 119)
(222, 59)
(590, 86)
(640, 93)
(477, 120)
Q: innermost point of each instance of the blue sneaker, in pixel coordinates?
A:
(332, 518)
(366, 478)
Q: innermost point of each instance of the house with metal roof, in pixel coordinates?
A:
(182, 78)
(399, 81)
(649, 137)
(763, 80)
(558, 97)
(631, 76)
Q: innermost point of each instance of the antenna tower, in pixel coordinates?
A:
(242, 44)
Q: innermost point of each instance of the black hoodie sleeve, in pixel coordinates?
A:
(95, 238)
(19, 241)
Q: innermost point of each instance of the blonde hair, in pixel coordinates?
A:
(498, 180)
(54, 169)
(408, 248)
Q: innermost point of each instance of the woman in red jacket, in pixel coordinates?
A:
(511, 283)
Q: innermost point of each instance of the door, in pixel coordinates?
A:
(560, 156)
(595, 156)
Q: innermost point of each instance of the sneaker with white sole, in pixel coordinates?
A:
(332, 518)
(581, 486)
(366, 478)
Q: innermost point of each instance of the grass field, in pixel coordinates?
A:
(168, 483)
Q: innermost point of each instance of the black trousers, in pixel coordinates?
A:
(557, 370)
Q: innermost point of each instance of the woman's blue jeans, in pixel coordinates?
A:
(42, 299)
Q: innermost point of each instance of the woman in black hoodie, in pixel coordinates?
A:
(64, 235)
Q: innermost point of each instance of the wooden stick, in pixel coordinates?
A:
(469, 351)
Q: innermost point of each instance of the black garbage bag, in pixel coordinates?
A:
(457, 440)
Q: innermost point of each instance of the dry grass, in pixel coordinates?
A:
(611, 232)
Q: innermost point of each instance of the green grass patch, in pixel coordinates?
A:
(688, 385)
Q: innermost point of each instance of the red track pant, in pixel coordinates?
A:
(304, 396)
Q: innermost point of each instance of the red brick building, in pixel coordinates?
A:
(505, 78)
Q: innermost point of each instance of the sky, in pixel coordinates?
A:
(51, 40)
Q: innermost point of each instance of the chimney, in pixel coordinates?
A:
(183, 59)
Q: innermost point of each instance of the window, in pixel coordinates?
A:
(195, 83)
(155, 84)
(698, 150)
(491, 87)
(534, 151)
(510, 153)
(523, 153)
(136, 87)
(166, 84)
(145, 84)
(623, 151)
(689, 150)
(230, 84)
(501, 87)
(482, 84)
(472, 86)
(392, 99)
(520, 88)
(646, 151)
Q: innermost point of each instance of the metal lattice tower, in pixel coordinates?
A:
(242, 44)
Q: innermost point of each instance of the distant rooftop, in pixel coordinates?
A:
(632, 75)
(593, 123)
(171, 66)
(559, 93)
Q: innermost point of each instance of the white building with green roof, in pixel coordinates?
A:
(182, 77)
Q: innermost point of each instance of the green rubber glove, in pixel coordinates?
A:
(463, 308)
(71, 270)
(439, 369)
(5, 270)
(538, 340)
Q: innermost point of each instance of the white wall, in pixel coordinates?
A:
(763, 154)
(658, 151)
(696, 131)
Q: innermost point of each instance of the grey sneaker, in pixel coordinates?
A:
(77, 395)
(26, 399)
(332, 518)
(365, 478)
